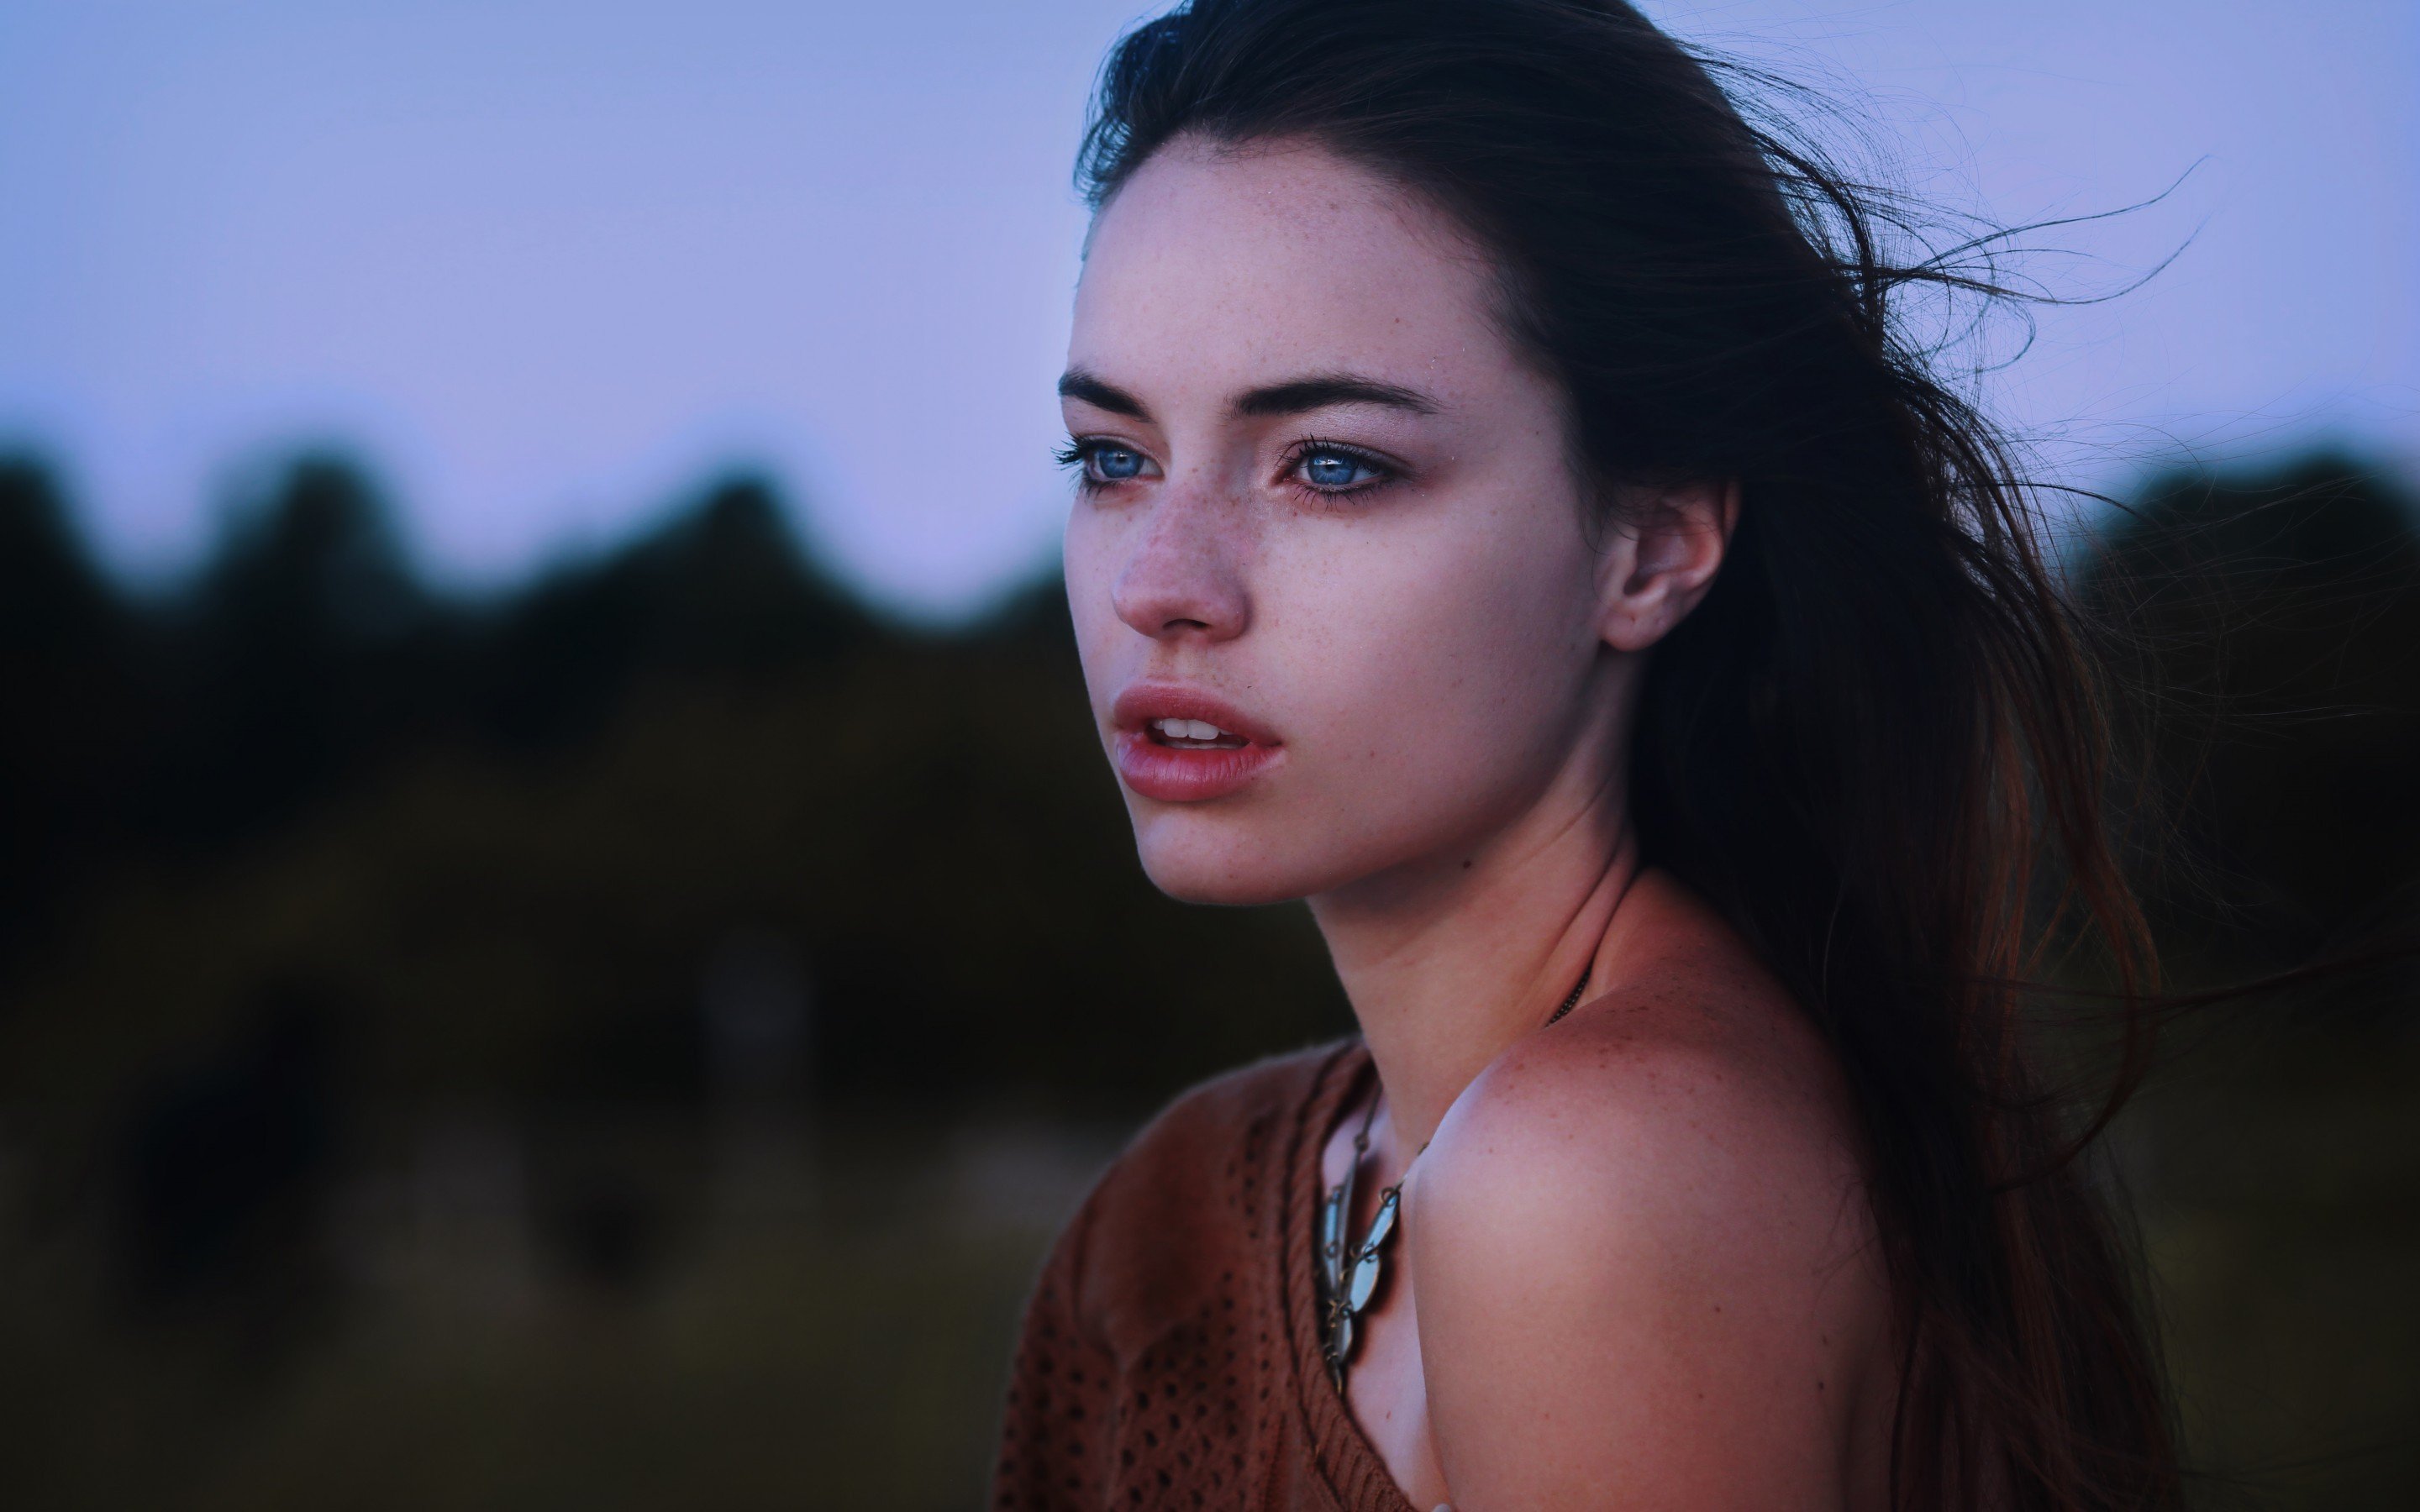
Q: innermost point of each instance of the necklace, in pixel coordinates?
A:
(1349, 1274)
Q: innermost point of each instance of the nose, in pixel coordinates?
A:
(1183, 575)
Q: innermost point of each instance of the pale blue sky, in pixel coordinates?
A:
(545, 263)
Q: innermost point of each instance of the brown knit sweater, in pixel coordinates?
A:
(1171, 1355)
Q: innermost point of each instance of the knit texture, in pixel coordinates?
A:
(1170, 1351)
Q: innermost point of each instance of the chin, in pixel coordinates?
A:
(1199, 857)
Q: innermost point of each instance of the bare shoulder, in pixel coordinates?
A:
(1652, 1217)
(1695, 1057)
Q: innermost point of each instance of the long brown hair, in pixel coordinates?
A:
(1880, 715)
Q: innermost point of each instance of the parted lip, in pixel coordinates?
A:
(1139, 704)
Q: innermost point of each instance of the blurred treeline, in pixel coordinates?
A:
(622, 1040)
(542, 810)
(2266, 628)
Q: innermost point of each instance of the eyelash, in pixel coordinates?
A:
(1077, 452)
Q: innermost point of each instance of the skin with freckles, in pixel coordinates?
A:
(1354, 632)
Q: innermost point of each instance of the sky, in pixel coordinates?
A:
(546, 266)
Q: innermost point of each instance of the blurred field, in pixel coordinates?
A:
(841, 1351)
(624, 1041)
(2281, 1189)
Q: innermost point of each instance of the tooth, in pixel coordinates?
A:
(1202, 729)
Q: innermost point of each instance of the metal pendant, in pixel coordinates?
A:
(1350, 1273)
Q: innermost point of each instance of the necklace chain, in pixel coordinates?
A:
(1349, 1274)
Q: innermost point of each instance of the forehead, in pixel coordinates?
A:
(1223, 265)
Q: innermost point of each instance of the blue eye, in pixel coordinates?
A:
(1335, 470)
(1113, 464)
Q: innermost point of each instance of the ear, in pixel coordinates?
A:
(1668, 543)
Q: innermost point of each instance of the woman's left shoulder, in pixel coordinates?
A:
(1653, 1214)
(1658, 1116)
(1695, 1062)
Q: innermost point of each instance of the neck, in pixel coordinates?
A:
(1451, 960)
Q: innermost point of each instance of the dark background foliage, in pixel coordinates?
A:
(624, 1040)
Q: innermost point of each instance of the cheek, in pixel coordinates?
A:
(1449, 657)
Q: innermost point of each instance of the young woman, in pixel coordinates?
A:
(1509, 519)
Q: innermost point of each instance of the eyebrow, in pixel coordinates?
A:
(1321, 389)
(1295, 397)
(1101, 394)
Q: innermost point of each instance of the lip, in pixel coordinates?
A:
(1170, 775)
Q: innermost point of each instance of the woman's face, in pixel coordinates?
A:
(1338, 605)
